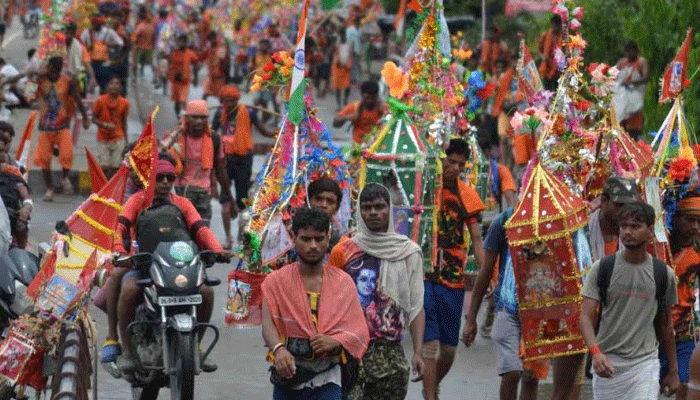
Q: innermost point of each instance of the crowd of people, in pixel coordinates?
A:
(333, 319)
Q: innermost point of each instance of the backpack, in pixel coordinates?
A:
(163, 222)
(607, 264)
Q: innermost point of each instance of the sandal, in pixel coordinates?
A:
(110, 351)
(67, 187)
(49, 195)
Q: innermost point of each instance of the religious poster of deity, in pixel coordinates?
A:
(57, 296)
(243, 306)
(15, 351)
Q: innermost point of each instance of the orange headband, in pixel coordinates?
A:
(689, 206)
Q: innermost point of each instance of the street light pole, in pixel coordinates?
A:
(483, 20)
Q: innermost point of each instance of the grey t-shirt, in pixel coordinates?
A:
(626, 333)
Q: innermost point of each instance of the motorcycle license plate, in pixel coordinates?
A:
(179, 300)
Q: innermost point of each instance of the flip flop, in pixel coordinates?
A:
(49, 195)
(110, 351)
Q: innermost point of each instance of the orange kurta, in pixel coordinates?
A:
(340, 73)
(367, 120)
(112, 111)
(549, 42)
(687, 263)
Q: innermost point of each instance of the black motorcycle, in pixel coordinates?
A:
(17, 270)
(165, 333)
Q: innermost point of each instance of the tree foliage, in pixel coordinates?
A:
(659, 27)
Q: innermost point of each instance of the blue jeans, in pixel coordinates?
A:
(329, 391)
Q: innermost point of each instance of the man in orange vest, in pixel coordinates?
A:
(58, 97)
(201, 157)
(550, 41)
(233, 123)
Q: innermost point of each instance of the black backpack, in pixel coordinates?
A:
(163, 222)
(607, 264)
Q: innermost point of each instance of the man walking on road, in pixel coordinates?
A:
(387, 269)
(58, 97)
(506, 325)
(686, 260)
(311, 316)
(202, 157)
(460, 210)
(635, 293)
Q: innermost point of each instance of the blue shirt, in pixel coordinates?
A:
(496, 242)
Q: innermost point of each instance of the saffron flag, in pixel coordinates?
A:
(676, 76)
(143, 157)
(400, 18)
(298, 87)
(22, 154)
(97, 177)
(415, 6)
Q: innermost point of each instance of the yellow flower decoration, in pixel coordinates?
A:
(395, 79)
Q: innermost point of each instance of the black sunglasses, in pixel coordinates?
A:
(162, 177)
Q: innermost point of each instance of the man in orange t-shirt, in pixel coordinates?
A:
(364, 115)
(144, 38)
(58, 97)
(180, 72)
(460, 210)
(109, 113)
(685, 228)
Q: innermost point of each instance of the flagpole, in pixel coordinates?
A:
(296, 152)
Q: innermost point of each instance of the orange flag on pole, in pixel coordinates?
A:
(676, 76)
(22, 154)
(97, 177)
(143, 157)
(415, 6)
(400, 18)
(529, 81)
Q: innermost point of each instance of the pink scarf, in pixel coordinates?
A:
(339, 313)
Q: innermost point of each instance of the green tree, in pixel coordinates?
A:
(659, 27)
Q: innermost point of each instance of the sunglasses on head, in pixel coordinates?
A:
(162, 177)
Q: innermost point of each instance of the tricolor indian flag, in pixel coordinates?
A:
(298, 87)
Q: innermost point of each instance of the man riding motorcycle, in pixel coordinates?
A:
(168, 218)
(13, 189)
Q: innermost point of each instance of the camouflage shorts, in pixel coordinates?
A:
(384, 372)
